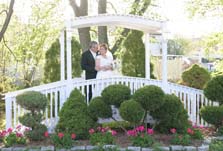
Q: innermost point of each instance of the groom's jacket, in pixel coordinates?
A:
(88, 64)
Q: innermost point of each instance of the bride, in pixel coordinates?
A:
(103, 63)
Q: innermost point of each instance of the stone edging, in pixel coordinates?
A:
(203, 147)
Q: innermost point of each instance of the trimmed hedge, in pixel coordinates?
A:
(150, 97)
(196, 77)
(75, 116)
(212, 115)
(131, 111)
(214, 89)
(116, 94)
(171, 115)
(99, 109)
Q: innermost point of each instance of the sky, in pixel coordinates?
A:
(178, 23)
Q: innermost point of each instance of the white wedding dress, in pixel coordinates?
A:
(105, 61)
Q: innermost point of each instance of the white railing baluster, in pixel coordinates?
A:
(58, 92)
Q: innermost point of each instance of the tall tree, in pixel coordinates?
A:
(102, 30)
(7, 19)
(84, 33)
(52, 63)
(133, 57)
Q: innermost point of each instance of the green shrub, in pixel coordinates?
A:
(171, 114)
(150, 97)
(196, 77)
(212, 115)
(32, 100)
(61, 140)
(36, 103)
(98, 108)
(131, 111)
(220, 131)
(116, 94)
(216, 145)
(184, 140)
(145, 141)
(75, 116)
(214, 89)
(37, 133)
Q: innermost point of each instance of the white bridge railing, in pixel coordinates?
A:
(58, 92)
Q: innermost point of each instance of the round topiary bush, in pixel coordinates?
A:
(116, 94)
(98, 108)
(214, 89)
(131, 111)
(36, 103)
(212, 115)
(196, 77)
(171, 115)
(150, 97)
(75, 116)
(32, 100)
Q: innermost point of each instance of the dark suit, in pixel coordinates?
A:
(88, 64)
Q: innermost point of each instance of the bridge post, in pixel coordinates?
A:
(62, 60)
(147, 56)
(164, 58)
(68, 48)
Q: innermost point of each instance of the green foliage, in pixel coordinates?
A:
(75, 116)
(37, 132)
(36, 103)
(98, 108)
(150, 97)
(178, 46)
(212, 115)
(133, 57)
(52, 64)
(184, 140)
(216, 145)
(101, 138)
(12, 139)
(171, 114)
(61, 140)
(118, 124)
(197, 134)
(131, 111)
(143, 141)
(220, 131)
(32, 100)
(115, 94)
(196, 77)
(214, 89)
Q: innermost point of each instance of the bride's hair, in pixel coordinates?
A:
(104, 45)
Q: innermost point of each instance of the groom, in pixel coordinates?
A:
(88, 64)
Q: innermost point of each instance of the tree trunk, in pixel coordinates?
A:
(102, 30)
(84, 33)
(7, 19)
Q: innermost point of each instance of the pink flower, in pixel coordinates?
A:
(9, 130)
(73, 136)
(113, 133)
(60, 135)
(190, 131)
(99, 128)
(103, 130)
(46, 134)
(131, 133)
(18, 127)
(91, 131)
(173, 130)
(150, 131)
(201, 126)
(140, 128)
(19, 134)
